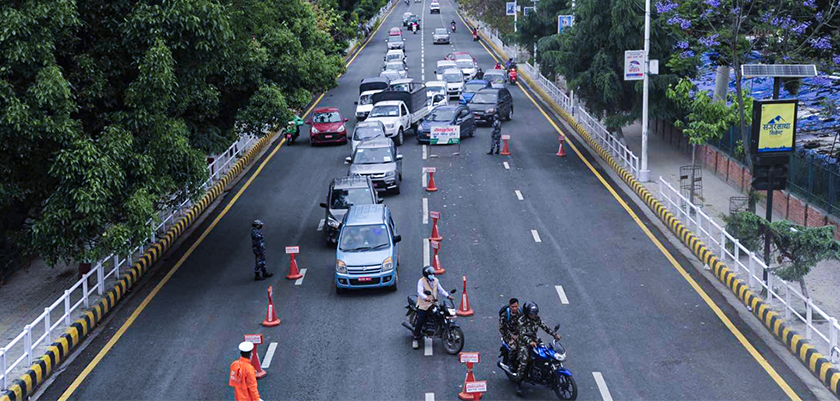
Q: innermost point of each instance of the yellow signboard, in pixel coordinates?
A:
(776, 127)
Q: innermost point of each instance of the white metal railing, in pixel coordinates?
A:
(550, 88)
(825, 330)
(610, 142)
(56, 317)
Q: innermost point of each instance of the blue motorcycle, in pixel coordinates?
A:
(546, 367)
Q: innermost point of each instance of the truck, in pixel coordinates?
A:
(400, 110)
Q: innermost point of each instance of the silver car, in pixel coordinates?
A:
(378, 159)
(395, 42)
(441, 35)
(396, 66)
(496, 78)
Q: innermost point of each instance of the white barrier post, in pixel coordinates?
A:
(787, 304)
(832, 338)
(661, 195)
(723, 245)
(27, 343)
(752, 269)
(47, 323)
(67, 307)
(100, 278)
(738, 251)
(85, 291)
(116, 263)
(769, 286)
(3, 366)
(809, 317)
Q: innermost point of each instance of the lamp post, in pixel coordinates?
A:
(644, 172)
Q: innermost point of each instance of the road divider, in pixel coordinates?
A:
(431, 185)
(561, 152)
(435, 233)
(257, 340)
(465, 309)
(271, 318)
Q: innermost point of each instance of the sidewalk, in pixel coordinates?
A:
(665, 159)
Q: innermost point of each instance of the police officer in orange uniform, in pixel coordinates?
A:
(243, 376)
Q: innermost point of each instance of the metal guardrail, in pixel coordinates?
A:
(618, 150)
(24, 347)
(720, 242)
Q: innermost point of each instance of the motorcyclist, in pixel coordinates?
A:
(498, 66)
(508, 324)
(428, 283)
(529, 324)
(453, 25)
(510, 63)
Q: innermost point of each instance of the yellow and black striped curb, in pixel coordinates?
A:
(817, 363)
(23, 387)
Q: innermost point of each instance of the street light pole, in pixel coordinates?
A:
(644, 173)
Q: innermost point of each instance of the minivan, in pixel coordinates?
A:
(367, 255)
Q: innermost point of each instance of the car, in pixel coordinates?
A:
(471, 87)
(367, 255)
(367, 130)
(434, 8)
(454, 82)
(395, 31)
(395, 42)
(364, 104)
(460, 56)
(390, 75)
(395, 55)
(497, 78)
(468, 67)
(443, 65)
(486, 102)
(406, 17)
(378, 158)
(396, 66)
(327, 126)
(401, 85)
(396, 117)
(441, 35)
(459, 115)
(343, 193)
(436, 92)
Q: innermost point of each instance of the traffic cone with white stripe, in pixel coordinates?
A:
(255, 362)
(294, 272)
(436, 259)
(562, 151)
(464, 309)
(271, 318)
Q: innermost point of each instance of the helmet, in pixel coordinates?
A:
(531, 308)
(257, 224)
(428, 272)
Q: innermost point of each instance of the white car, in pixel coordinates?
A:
(364, 131)
(364, 104)
(468, 67)
(437, 88)
(443, 65)
(395, 116)
(434, 8)
(454, 82)
(395, 55)
(396, 66)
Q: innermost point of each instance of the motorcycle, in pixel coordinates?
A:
(453, 27)
(512, 75)
(441, 323)
(293, 129)
(414, 28)
(546, 367)
(475, 37)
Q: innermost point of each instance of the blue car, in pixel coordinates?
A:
(471, 87)
(447, 116)
(368, 254)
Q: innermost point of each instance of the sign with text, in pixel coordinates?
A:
(634, 61)
(479, 386)
(505, 137)
(472, 357)
(434, 215)
(526, 11)
(429, 169)
(256, 339)
(445, 135)
(510, 8)
(435, 245)
(773, 130)
(564, 21)
(292, 249)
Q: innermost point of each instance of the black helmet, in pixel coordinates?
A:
(428, 271)
(531, 308)
(257, 224)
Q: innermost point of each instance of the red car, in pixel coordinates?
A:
(395, 31)
(327, 126)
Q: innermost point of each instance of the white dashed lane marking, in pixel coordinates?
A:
(425, 150)
(300, 280)
(536, 236)
(428, 346)
(561, 294)
(269, 355)
(518, 195)
(425, 179)
(321, 225)
(430, 396)
(507, 166)
(602, 386)
(425, 210)
(425, 251)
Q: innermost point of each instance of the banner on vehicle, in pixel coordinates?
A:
(447, 135)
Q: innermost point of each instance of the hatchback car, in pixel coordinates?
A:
(441, 35)
(395, 55)
(454, 82)
(496, 78)
(378, 159)
(460, 56)
(436, 92)
(365, 131)
(468, 67)
(487, 102)
(396, 66)
(390, 75)
(395, 42)
(406, 17)
(434, 8)
(455, 115)
(395, 31)
(327, 126)
(365, 104)
(367, 255)
(471, 87)
(343, 193)
(443, 65)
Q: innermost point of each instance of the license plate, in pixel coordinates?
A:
(364, 279)
(328, 136)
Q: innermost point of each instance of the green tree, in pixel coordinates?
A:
(491, 12)
(541, 23)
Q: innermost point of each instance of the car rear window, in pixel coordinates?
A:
(372, 156)
(344, 198)
(367, 133)
(328, 117)
(440, 31)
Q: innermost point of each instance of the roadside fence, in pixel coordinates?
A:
(819, 325)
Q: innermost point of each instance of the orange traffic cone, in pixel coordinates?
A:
(431, 185)
(435, 233)
(271, 318)
(255, 362)
(464, 309)
(562, 152)
(505, 149)
(464, 395)
(436, 258)
(294, 272)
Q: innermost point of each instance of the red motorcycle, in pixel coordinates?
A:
(512, 75)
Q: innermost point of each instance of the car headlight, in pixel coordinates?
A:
(388, 264)
(314, 130)
(491, 111)
(340, 267)
(389, 126)
(390, 173)
(332, 222)
(341, 129)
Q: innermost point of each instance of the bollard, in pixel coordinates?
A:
(271, 318)
(436, 259)
(256, 339)
(430, 187)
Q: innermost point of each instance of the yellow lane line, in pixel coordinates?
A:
(110, 344)
(712, 305)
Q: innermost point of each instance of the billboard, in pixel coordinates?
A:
(633, 65)
(510, 8)
(445, 135)
(564, 21)
(773, 130)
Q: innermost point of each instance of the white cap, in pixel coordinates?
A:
(246, 346)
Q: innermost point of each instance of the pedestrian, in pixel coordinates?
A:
(258, 245)
(497, 133)
(243, 376)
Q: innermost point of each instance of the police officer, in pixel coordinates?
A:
(258, 246)
(497, 133)
(427, 283)
(243, 376)
(529, 325)
(508, 325)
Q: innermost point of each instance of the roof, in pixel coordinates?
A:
(439, 62)
(360, 215)
(435, 83)
(448, 107)
(352, 181)
(370, 92)
(490, 90)
(396, 51)
(452, 71)
(325, 109)
(494, 72)
(375, 79)
(402, 81)
(477, 81)
(376, 143)
(368, 124)
(388, 103)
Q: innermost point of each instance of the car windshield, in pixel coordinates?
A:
(464, 64)
(395, 39)
(393, 56)
(462, 56)
(392, 75)
(385, 111)
(364, 238)
(365, 99)
(367, 132)
(442, 115)
(344, 198)
(373, 156)
(441, 31)
(475, 87)
(406, 15)
(328, 117)
(442, 65)
(394, 66)
(494, 78)
(484, 98)
(432, 90)
(453, 77)
(400, 87)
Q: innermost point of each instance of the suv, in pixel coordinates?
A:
(378, 159)
(343, 193)
(487, 102)
(367, 255)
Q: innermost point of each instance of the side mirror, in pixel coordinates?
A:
(399, 157)
(435, 72)
(347, 119)
(380, 200)
(454, 290)
(356, 103)
(397, 238)
(556, 328)
(347, 160)
(324, 205)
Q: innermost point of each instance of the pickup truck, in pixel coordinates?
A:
(400, 110)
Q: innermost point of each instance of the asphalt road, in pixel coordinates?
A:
(630, 316)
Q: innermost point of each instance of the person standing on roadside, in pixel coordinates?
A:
(243, 376)
(258, 246)
(497, 133)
